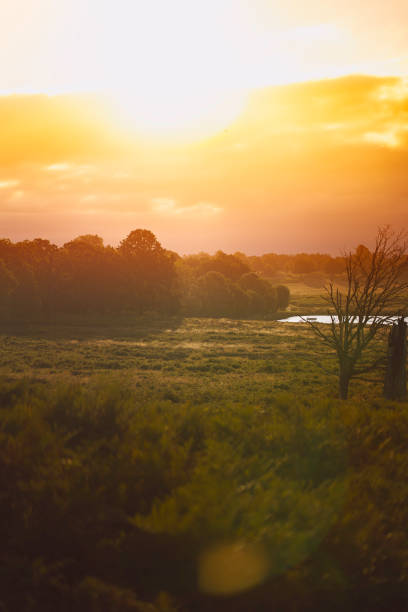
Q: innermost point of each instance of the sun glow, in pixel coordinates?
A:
(172, 69)
(181, 114)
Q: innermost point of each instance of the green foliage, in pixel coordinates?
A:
(7, 285)
(38, 281)
(109, 497)
(298, 267)
(230, 266)
(98, 596)
(84, 277)
(283, 296)
(214, 294)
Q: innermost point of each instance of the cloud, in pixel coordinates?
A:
(55, 130)
(202, 208)
(388, 139)
(72, 133)
(348, 107)
(169, 206)
(61, 167)
(90, 197)
(8, 184)
(163, 205)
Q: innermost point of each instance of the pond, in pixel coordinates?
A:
(327, 319)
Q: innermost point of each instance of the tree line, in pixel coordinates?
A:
(270, 264)
(226, 285)
(38, 279)
(84, 276)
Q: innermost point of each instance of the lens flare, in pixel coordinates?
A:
(227, 569)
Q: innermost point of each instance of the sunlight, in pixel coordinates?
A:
(171, 70)
(181, 114)
(189, 73)
(176, 70)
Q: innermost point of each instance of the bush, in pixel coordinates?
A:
(283, 296)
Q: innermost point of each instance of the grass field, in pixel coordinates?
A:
(149, 440)
(179, 360)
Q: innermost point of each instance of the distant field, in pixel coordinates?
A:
(306, 300)
(190, 359)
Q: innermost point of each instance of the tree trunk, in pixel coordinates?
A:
(395, 383)
(344, 381)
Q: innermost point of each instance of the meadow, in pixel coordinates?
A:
(162, 464)
(183, 359)
(195, 359)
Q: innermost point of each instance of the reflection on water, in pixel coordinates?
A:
(328, 319)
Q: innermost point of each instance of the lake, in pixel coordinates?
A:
(326, 319)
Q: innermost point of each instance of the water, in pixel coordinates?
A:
(327, 319)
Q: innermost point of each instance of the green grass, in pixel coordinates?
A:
(192, 359)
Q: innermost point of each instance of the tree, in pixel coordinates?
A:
(303, 264)
(43, 256)
(141, 243)
(283, 295)
(84, 281)
(376, 284)
(229, 266)
(395, 383)
(215, 294)
(150, 273)
(334, 266)
(7, 285)
(92, 239)
(263, 296)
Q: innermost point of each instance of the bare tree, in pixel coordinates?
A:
(376, 286)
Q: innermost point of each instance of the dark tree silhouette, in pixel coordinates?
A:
(228, 265)
(150, 273)
(7, 284)
(39, 280)
(395, 384)
(141, 242)
(376, 283)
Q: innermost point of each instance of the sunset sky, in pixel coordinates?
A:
(255, 125)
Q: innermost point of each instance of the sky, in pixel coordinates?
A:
(244, 126)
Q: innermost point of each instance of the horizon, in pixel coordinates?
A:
(342, 253)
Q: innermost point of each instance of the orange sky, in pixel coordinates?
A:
(225, 124)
